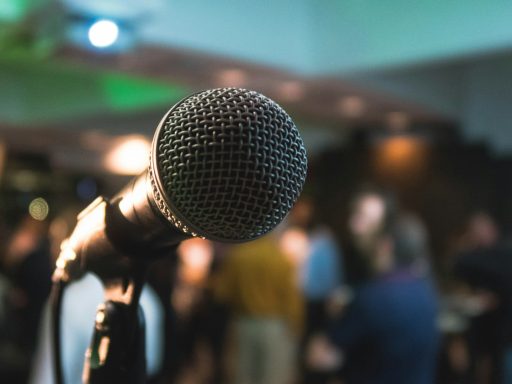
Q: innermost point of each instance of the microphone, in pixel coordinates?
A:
(226, 164)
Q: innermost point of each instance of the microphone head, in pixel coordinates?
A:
(227, 164)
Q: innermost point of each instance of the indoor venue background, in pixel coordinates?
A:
(409, 99)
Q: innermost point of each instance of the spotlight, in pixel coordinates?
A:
(103, 33)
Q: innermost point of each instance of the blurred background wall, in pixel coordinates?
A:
(412, 95)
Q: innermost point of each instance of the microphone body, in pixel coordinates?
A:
(113, 233)
(226, 164)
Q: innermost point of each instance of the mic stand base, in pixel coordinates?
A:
(117, 353)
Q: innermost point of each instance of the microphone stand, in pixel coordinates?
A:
(117, 350)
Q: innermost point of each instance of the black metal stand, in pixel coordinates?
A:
(107, 242)
(117, 351)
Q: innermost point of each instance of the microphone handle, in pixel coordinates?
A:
(112, 234)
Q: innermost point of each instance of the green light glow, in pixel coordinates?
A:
(128, 93)
(41, 92)
(16, 10)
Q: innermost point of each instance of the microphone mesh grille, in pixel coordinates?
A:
(231, 163)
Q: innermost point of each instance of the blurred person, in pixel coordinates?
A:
(257, 282)
(485, 265)
(482, 232)
(27, 263)
(412, 248)
(199, 326)
(388, 332)
(4, 288)
(161, 277)
(216, 319)
(320, 271)
(13, 357)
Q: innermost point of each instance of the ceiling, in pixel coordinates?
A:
(333, 68)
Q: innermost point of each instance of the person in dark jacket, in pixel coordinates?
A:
(388, 332)
(485, 266)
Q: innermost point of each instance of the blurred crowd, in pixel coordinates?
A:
(306, 303)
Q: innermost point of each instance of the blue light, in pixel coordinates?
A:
(103, 33)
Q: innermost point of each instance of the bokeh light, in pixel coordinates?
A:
(130, 156)
(103, 33)
(39, 209)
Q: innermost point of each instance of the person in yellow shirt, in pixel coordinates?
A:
(258, 283)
